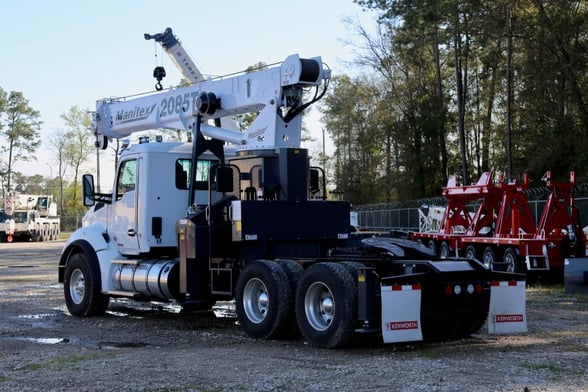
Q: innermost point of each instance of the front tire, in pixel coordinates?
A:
(81, 287)
(263, 299)
(326, 305)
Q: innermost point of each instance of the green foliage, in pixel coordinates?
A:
(72, 201)
(79, 143)
(19, 128)
(35, 184)
(351, 121)
(440, 99)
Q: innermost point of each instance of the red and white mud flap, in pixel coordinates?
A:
(401, 313)
(507, 313)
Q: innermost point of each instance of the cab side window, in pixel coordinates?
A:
(182, 172)
(127, 178)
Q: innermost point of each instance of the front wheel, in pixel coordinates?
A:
(326, 305)
(263, 299)
(81, 287)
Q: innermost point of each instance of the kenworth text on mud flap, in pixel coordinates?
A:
(241, 215)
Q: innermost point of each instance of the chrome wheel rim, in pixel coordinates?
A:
(510, 262)
(319, 306)
(255, 300)
(77, 286)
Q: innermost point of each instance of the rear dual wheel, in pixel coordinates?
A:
(444, 249)
(489, 257)
(431, 244)
(470, 252)
(511, 259)
(263, 299)
(272, 295)
(326, 304)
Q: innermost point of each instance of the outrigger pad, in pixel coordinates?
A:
(507, 312)
(401, 313)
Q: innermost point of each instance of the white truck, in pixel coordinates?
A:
(29, 217)
(230, 216)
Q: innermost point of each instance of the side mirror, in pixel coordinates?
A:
(88, 194)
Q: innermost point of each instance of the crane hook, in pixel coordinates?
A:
(159, 74)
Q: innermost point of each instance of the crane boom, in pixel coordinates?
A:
(178, 54)
(276, 94)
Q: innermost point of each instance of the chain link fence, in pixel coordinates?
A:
(408, 219)
(386, 218)
(69, 223)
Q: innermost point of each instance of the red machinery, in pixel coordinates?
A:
(502, 231)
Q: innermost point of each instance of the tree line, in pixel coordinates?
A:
(20, 138)
(460, 87)
(446, 87)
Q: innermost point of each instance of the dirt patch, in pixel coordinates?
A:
(150, 347)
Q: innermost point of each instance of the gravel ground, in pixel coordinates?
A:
(147, 347)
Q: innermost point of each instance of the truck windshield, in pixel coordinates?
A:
(19, 216)
(42, 203)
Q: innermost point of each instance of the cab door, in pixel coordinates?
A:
(123, 219)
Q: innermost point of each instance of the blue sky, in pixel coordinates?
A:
(62, 53)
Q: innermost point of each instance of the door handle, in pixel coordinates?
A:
(131, 232)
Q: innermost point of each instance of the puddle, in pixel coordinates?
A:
(224, 310)
(21, 266)
(34, 316)
(128, 308)
(120, 345)
(48, 340)
(122, 314)
(122, 307)
(62, 309)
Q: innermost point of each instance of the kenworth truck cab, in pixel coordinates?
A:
(201, 222)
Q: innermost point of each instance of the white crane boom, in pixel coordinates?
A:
(178, 54)
(276, 94)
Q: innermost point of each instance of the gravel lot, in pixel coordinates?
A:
(147, 347)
